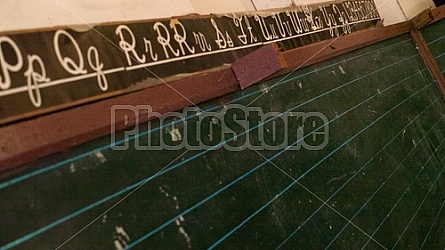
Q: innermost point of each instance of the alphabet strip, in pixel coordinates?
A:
(44, 70)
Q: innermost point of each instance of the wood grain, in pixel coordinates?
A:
(258, 65)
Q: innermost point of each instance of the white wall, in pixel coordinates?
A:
(225, 6)
(390, 11)
(299, 2)
(413, 7)
(270, 4)
(29, 14)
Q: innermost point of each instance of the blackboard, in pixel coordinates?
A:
(435, 38)
(376, 183)
(53, 69)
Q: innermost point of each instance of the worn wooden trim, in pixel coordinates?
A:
(422, 19)
(429, 16)
(438, 13)
(428, 58)
(318, 52)
(30, 140)
(136, 87)
(258, 65)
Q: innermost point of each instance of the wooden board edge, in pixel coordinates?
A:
(30, 140)
(21, 144)
(311, 54)
(438, 13)
(423, 19)
(258, 65)
(428, 59)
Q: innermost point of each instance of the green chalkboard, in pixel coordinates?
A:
(366, 169)
(435, 37)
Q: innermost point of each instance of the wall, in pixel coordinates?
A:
(16, 15)
(226, 6)
(390, 11)
(270, 4)
(412, 7)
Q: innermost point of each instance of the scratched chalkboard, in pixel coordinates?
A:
(435, 37)
(361, 166)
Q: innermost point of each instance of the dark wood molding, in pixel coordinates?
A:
(438, 13)
(428, 58)
(428, 16)
(258, 65)
(318, 52)
(422, 19)
(27, 141)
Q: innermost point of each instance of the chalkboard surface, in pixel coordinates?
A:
(376, 183)
(435, 37)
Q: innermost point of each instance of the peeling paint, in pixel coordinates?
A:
(214, 120)
(186, 236)
(175, 134)
(264, 88)
(121, 231)
(118, 245)
(121, 238)
(101, 157)
(341, 70)
(72, 168)
(164, 192)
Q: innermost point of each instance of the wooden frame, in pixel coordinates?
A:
(438, 13)
(30, 140)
